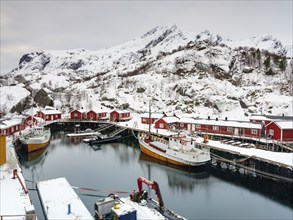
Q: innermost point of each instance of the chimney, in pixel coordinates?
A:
(209, 117)
(216, 119)
(226, 119)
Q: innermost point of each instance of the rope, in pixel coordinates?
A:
(134, 134)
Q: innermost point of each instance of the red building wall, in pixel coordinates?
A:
(91, 115)
(75, 115)
(145, 120)
(114, 116)
(101, 115)
(288, 135)
(162, 123)
(29, 121)
(276, 129)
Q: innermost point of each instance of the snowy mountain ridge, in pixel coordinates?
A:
(200, 73)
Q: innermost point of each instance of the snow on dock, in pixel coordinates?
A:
(60, 201)
(282, 158)
(15, 203)
(86, 134)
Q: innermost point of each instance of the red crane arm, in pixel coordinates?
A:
(154, 185)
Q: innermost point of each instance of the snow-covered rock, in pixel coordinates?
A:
(200, 73)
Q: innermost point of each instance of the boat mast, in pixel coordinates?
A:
(150, 118)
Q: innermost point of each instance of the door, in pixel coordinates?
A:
(188, 127)
(236, 131)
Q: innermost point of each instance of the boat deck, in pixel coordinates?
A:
(59, 201)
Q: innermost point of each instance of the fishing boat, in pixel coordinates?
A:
(37, 138)
(137, 206)
(103, 139)
(179, 150)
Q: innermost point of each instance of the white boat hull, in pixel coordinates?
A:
(175, 157)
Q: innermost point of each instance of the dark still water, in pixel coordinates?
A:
(209, 194)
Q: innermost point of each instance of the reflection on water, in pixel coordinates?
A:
(195, 194)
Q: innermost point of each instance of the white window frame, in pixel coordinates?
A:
(253, 131)
(230, 129)
(197, 126)
(216, 128)
(161, 125)
(271, 132)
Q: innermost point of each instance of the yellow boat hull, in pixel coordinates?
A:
(159, 157)
(34, 147)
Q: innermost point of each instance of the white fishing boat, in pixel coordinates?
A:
(179, 150)
(37, 138)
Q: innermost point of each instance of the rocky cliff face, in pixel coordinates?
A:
(199, 73)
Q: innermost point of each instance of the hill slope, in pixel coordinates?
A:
(200, 73)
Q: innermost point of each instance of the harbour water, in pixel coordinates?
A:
(115, 167)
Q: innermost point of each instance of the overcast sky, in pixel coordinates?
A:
(29, 26)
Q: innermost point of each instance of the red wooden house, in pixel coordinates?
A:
(91, 115)
(78, 114)
(154, 117)
(280, 131)
(169, 122)
(221, 127)
(29, 121)
(120, 115)
(102, 115)
(49, 114)
(10, 126)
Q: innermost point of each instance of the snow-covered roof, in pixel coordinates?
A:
(121, 111)
(235, 124)
(80, 110)
(7, 123)
(51, 112)
(271, 117)
(170, 119)
(153, 115)
(285, 125)
(99, 111)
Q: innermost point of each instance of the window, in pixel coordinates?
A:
(197, 126)
(161, 125)
(230, 129)
(144, 119)
(75, 114)
(12, 129)
(253, 131)
(271, 132)
(47, 116)
(181, 125)
(215, 128)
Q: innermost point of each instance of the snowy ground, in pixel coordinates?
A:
(13, 199)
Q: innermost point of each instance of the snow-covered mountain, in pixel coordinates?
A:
(200, 73)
